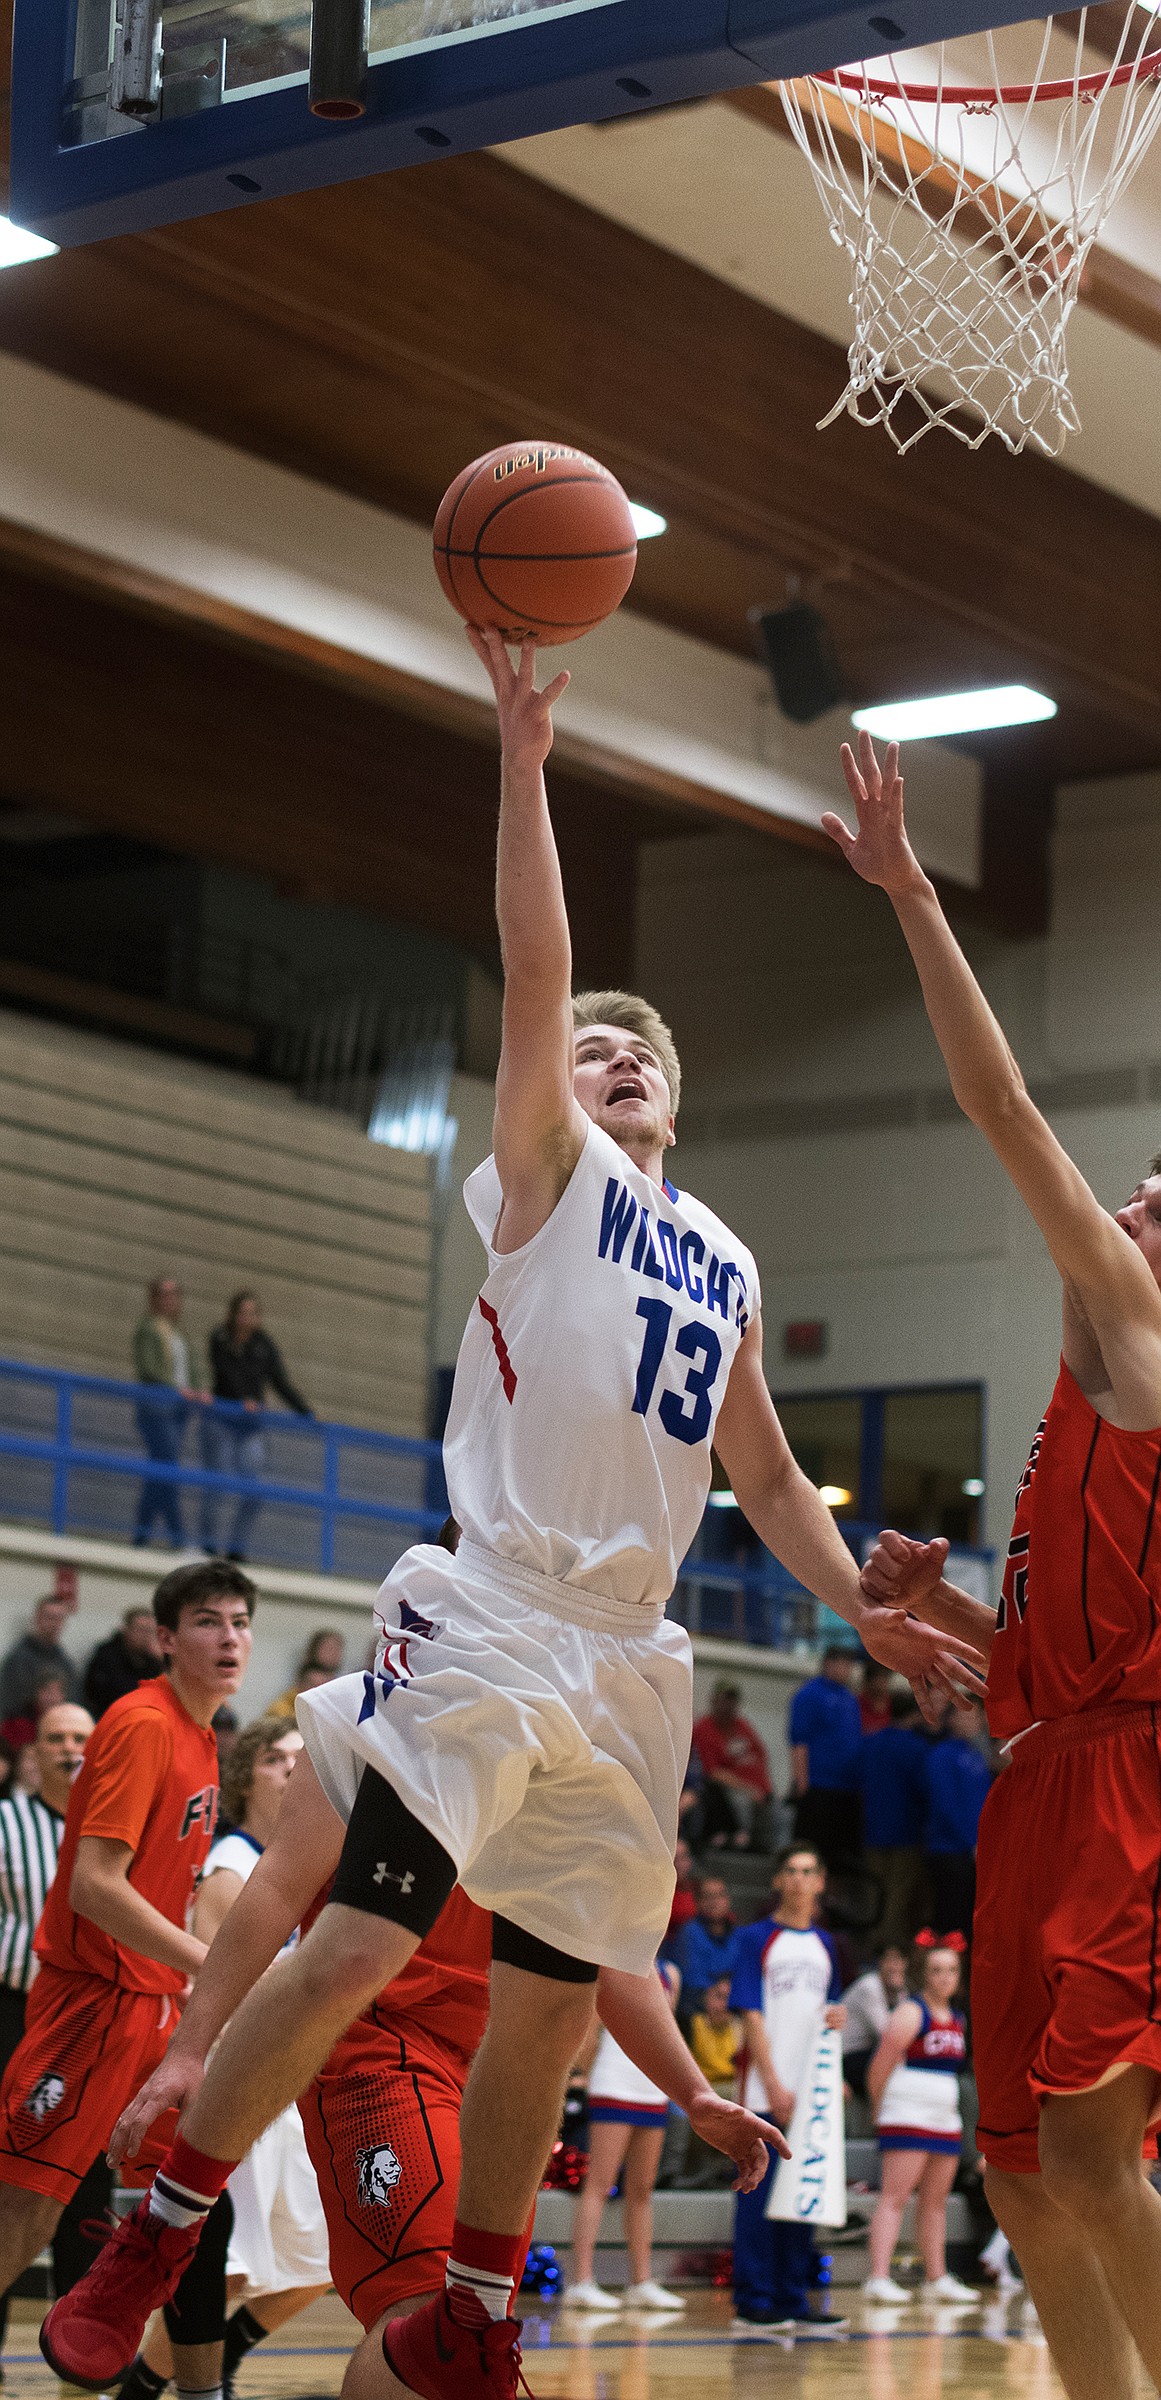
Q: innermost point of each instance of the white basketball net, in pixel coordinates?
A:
(967, 213)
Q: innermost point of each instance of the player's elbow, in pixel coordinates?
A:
(88, 1893)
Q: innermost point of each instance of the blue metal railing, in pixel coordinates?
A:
(74, 1458)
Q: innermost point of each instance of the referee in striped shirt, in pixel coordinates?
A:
(31, 1829)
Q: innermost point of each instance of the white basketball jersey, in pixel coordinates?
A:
(590, 1377)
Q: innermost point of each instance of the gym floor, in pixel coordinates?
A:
(928, 2354)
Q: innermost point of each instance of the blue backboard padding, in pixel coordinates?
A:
(533, 77)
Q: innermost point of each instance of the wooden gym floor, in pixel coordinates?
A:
(980, 2354)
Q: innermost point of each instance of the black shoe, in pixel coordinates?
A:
(809, 2327)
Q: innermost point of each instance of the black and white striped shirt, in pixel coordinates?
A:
(30, 1838)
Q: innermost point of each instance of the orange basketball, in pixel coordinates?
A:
(536, 539)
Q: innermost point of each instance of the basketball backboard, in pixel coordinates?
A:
(227, 120)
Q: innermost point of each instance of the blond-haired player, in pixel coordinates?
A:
(527, 1726)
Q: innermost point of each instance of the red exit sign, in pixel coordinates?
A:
(807, 1337)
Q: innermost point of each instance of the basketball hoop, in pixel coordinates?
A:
(967, 210)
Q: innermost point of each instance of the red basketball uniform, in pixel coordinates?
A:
(99, 2015)
(383, 2118)
(1066, 1973)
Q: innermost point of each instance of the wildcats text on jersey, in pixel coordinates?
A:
(663, 1255)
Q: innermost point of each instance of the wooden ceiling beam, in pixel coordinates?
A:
(375, 334)
(179, 734)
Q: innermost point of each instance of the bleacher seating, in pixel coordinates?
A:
(118, 1164)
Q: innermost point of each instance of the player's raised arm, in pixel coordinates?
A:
(1095, 1257)
(539, 1129)
(790, 1516)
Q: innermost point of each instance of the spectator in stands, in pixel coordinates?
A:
(20, 1731)
(321, 1661)
(737, 1773)
(875, 1697)
(706, 1948)
(37, 1654)
(892, 1769)
(716, 2040)
(958, 1779)
(691, 1802)
(684, 1907)
(164, 1359)
(31, 1827)
(868, 2003)
(826, 1737)
(244, 1363)
(131, 1656)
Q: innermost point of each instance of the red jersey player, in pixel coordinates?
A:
(115, 1956)
(1067, 1969)
(382, 2117)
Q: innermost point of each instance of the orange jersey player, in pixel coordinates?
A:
(382, 2116)
(115, 1956)
(1066, 1979)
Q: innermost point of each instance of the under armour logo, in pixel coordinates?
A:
(383, 1875)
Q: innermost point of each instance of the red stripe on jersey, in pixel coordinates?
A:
(500, 1346)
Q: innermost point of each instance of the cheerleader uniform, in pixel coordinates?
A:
(619, 2094)
(920, 2105)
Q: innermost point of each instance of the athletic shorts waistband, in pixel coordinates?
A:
(1089, 1725)
(574, 1603)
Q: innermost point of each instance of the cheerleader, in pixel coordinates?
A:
(627, 2118)
(913, 2085)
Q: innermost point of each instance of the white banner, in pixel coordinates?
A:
(810, 2188)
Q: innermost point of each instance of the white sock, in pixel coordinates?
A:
(475, 2295)
(214, 2392)
(176, 2205)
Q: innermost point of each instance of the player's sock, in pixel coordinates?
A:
(210, 2392)
(243, 2333)
(481, 2274)
(187, 2183)
(142, 2382)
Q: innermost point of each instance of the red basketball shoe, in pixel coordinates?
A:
(93, 2333)
(442, 2360)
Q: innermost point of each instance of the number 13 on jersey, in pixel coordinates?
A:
(686, 1414)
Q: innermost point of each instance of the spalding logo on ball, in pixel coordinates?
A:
(536, 539)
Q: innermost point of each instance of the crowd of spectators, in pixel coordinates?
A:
(40, 1678)
(890, 1803)
(228, 1391)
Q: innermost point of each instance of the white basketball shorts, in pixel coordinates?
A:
(537, 1731)
(279, 2241)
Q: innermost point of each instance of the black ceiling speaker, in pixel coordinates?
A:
(800, 653)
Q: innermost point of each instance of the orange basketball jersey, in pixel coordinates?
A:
(1080, 1617)
(150, 1779)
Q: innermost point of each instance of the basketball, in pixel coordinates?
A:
(536, 539)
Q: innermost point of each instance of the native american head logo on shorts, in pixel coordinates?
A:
(379, 2173)
(45, 2095)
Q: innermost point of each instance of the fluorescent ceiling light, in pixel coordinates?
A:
(646, 522)
(17, 247)
(972, 1487)
(955, 712)
(835, 1495)
(722, 1500)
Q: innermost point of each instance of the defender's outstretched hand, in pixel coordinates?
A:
(748, 2140)
(937, 1665)
(907, 1574)
(880, 852)
(172, 2085)
(525, 714)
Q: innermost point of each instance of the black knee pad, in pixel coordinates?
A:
(391, 1866)
(516, 1948)
(197, 2311)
